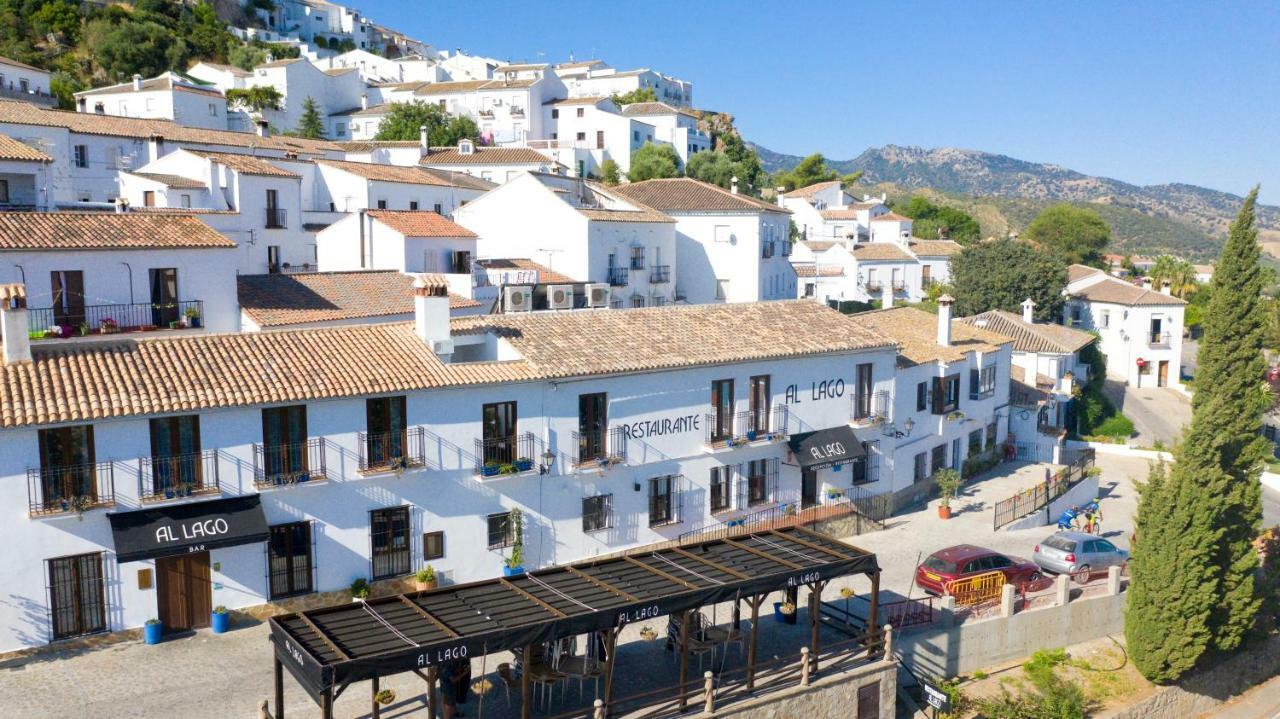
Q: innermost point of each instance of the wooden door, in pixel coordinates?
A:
(808, 487)
(1162, 380)
(183, 592)
(869, 701)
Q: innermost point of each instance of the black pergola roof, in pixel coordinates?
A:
(335, 646)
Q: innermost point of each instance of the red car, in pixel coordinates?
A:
(967, 560)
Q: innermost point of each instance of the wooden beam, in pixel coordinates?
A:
(600, 583)
(432, 674)
(755, 603)
(279, 672)
(758, 553)
(323, 637)
(660, 573)
(428, 616)
(810, 545)
(526, 684)
(377, 708)
(873, 625)
(555, 612)
(709, 563)
(326, 702)
(811, 533)
(684, 657)
(610, 648)
(815, 619)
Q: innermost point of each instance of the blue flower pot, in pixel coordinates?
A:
(511, 571)
(524, 465)
(489, 470)
(751, 435)
(151, 632)
(221, 622)
(778, 616)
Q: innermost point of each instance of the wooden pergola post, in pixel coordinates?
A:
(872, 618)
(526, 683)
(373, 694)
(279, 672)
(684, 657)
(326, 703)
(610, 647)
(755, 603)
(432, 674)
(815, 621)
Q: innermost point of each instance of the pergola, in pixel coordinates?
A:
(328, 649)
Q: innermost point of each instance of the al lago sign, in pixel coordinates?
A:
(183, 528)
(660, 427)
(193, 530)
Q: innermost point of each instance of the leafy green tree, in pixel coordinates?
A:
(311, 124)
(654, 161)
(930, 221)
(1075, 234)
(610, 172)
(999, 275)
(60, 18)
(731, 158)
(405, 119)
(257, 98)
(1179, 274)
(811, 170)
(640, 94)
(132, 46)
(64, 86)
(206, 34)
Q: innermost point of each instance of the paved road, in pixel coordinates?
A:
(1158, 413)
(1190, 349)
(1261, 702)
(1270, 507)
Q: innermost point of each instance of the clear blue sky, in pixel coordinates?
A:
(1146, 92)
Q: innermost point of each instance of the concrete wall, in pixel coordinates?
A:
(1077, 496)
(830, 695)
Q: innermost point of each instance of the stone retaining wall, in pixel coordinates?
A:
(1204, 690)
(829, 695)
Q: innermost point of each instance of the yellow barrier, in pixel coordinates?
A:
(978, 589)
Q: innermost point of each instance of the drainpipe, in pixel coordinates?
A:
(126, 264)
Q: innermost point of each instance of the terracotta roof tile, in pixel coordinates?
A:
(444, 88)
(15, 63)
(569, 102)
(546, 275)
(1119, 292)
(819, 245)
(649, 109)
(683, 194)
(461, 179)
(105, 231)
(839, 214)
(916, 333)
(1031, 336)
(881, 252)
(935, 248)
(485, 156)
(154, 84)
(1075, 273)
(11, 149)
(386, 173)
(420, 223)
(247, 164)
(278, 300)
(177, 181)
(807, 270)
(370, 145)
(811, 190)
(890, 217)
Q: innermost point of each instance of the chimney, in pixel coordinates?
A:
(886, 295)
(733, 185)
(1166, 288)
(155, 148)
(944, 320)
(364, 101)
(264, 128)
(1028, 310)
(137, 82)
(778, 193)
(122, 205)
(1066, 383)
(13, 324)
(422, 139)
(431, 314)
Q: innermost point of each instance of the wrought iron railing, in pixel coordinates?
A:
(279, 464)
(871, 410)
(1041, 494)
(182, 475)
(512, 454)
(391, 451)
(73, 488)
(600, 447)
(619, 276)
(57, 323)
(276, 218)
(719, 430)
(760, 424)
(1159, 339)
(873, 285)
(659, 274)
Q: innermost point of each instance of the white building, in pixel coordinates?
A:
(580, 228)
(729, 247)
(583, 132)
(494, 164)
(594, 78)
(825, 212)
(20, 81)
(673, 126)
(25, 176)
(1140, 330)
(401, 240)
(356, 452)
(334, 91)
(223, 77)
(343, 186)
(166, 97)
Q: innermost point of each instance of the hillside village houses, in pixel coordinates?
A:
(1139, 328)
(166, 97)
(20, 81)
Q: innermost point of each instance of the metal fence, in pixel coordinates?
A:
(1039, 496)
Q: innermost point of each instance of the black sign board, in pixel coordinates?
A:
(184, 528)
(935, 697)
(826, 447)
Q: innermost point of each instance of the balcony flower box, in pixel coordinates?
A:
(523, 464)
(489, 469)
(752, 435)
(108, 326)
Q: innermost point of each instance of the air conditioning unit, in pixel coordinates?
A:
(599, 294)
(560, 297)
(442, 347)
(517, 299)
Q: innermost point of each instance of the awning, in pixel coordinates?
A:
(184, 528)
(826, 447)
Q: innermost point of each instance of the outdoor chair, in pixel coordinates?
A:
(509, 680)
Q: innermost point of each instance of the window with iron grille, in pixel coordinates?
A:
(597, 513)
(501, 531)
(762, 476)
(863, 387)
(637, 301)
(921, 467)
(991, 435)
(720, 496)
(939, 459)
(866, 469)
(982, 382)
(922, 397)
(289, 559)
(975, 442)
(77, 602)
(663, 500)
(389, 539)
(432, 546)
(637, 257)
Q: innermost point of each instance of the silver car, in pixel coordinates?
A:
(1077, 553)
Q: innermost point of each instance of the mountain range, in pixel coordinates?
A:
(1005, 193)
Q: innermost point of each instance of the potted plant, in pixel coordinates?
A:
(786, 608)
(489, 469)
(648, 633)
(81, 504)
(83, 329)
(524, 464)
(221, 619)
(175, 324)
(833, 493)
(425, 578)
(151, 631)
(108, 326)
(948, 481)
(846, 592)
(515, 563)
(752, 434)
(359, 590)
(385, 696)
(193, 317)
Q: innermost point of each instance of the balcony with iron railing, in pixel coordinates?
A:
(873, 285)
(761, 425)
(659, 274)
(1159, 340)
(281, 464)
(391, 451)
(183, 475)
(73, 488)
(599, 447)
(899, 285)
(870, 410)
(35, 97)
(619, 276)
(512, 454)
(276, 219)
(57, 323)
(766, 249)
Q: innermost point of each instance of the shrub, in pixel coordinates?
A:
(1117, 425)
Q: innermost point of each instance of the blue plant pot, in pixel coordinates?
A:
(511, 571)
(524, 465)
(221, 622)
(836, 467)
(778, 616)
(151, 632)
(751, 435)
(489, 470)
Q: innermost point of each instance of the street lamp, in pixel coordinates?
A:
(548, 459)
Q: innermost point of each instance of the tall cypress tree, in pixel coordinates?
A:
(310, 124)
(1193, 560)
(1225, 440)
